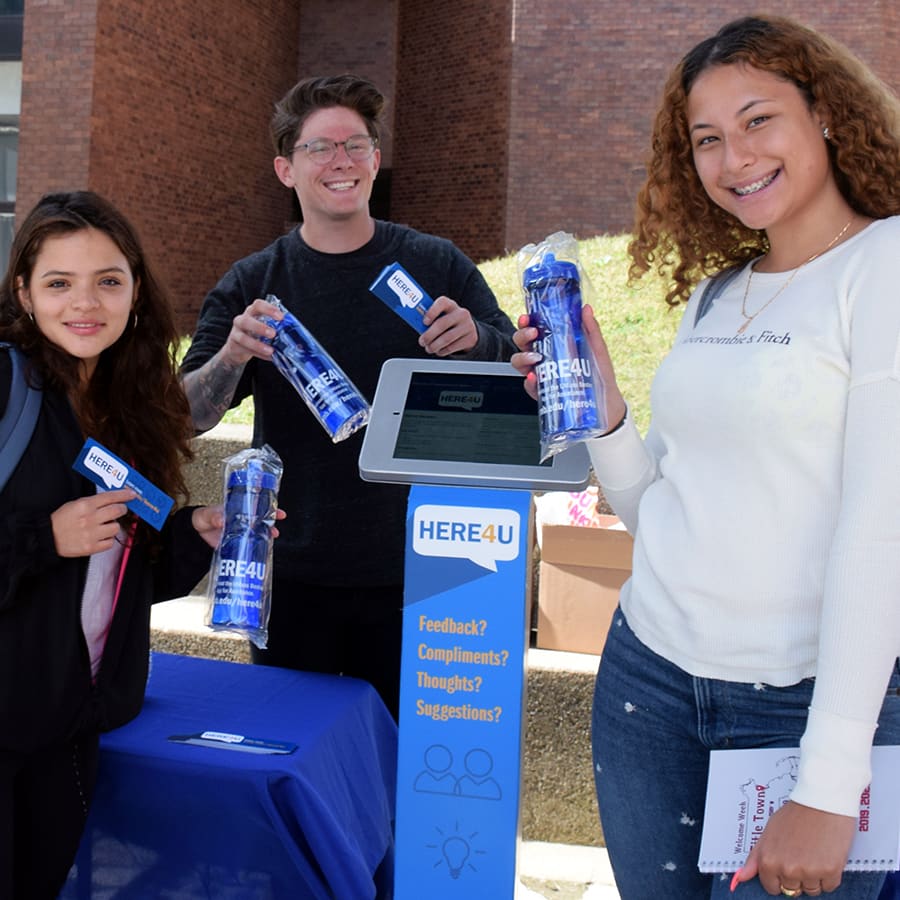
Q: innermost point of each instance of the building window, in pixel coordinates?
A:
(9, 151)
(11, 18)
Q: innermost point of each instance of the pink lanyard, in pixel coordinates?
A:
(126, 552)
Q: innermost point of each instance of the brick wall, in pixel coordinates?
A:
(452, 121)
(584, 80)
(58, 43)
(506, 121)
(585, 83)
(358, 36)
(162, 106)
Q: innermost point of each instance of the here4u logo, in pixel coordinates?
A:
(481, 534)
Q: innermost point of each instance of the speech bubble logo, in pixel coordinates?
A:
(408, 294)
(110, 471)
(485, 536)
(465, 399)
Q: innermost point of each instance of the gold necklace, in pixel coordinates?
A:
(750, 317)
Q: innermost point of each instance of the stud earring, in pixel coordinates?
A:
(826, 133)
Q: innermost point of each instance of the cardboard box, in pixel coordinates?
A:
(580, 574)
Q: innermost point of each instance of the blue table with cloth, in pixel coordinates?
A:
(185, 821)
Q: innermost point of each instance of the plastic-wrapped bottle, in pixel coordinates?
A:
(571, 403)
(241, 577)
(330, 395)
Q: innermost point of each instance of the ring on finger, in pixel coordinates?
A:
(791, 892)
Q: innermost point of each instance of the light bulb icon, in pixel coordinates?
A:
(455, 851)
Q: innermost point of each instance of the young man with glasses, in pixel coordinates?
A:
(337, 585)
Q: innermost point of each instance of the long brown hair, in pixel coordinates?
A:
(679, 230)
(133, 404)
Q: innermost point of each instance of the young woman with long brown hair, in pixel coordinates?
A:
(78, 571)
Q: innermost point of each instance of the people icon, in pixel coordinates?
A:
(478, 782)
(437, 777)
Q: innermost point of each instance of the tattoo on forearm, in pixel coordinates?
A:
(209, 391)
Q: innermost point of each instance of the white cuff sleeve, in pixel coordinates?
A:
(624, 466)
(835, 763)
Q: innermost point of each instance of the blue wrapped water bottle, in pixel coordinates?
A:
(240, 581)
(571, 403)
(330, 395)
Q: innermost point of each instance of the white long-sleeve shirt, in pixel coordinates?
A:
(765, 500)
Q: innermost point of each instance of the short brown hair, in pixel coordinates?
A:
(322, 92)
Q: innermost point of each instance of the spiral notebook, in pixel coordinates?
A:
(746, 786)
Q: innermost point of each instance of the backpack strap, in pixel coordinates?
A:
(18, 421)
(714, 288)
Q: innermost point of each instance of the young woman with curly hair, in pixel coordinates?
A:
(682, 228)
(78, 571)
(763, 604)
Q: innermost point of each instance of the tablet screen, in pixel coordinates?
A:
(461, 423)
(466, 417)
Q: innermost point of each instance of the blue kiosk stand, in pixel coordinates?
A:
(465, 435)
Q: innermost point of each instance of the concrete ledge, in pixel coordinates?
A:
(177, 627)
(559, 804)
(204, 474)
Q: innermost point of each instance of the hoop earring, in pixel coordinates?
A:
(31, 316)
(135, 323)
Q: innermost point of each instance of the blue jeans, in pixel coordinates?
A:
(652, 729)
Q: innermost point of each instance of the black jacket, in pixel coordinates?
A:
(46, 693)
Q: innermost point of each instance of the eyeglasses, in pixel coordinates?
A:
(322, 151)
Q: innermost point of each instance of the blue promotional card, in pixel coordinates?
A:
(398, 289)
(109, 472)
(224, 740)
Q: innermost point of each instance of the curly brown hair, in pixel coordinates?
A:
(134, 403)
(679, 230)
